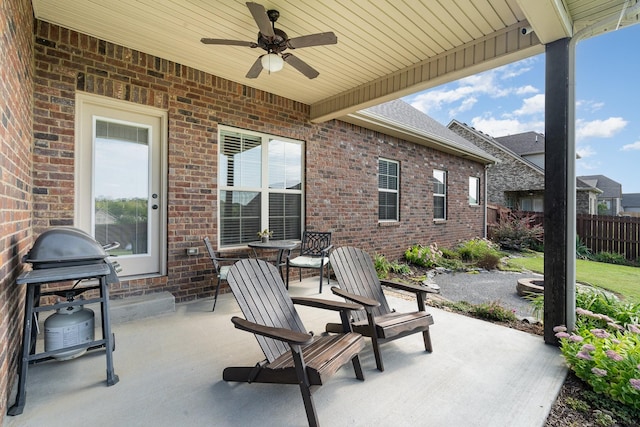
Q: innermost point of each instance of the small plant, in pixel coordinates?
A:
(382, 266)
(481, 252)
(494, 311)
(610, 258)
(424, 256)
(400, 268)
(449, 254)
(488, 261)
(518, 232)
(265, 233)
(537, 305)
(582, 250)
(577, 404)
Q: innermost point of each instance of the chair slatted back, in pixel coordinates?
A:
(263, 299)
(356, 274)
(313, 242)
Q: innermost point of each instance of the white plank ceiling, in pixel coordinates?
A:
(386, 48)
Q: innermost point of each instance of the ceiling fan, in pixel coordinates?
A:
(275, 42)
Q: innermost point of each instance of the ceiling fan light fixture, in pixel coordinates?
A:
(272, 62)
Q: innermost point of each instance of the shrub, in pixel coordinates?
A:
(400, 268)
(610, 258)
(517, 232)
(475, 249)
(604, 348)
(424, 256)
(449, 254)
(494, 311)
(582, 250)
(488, 261)
(606, 358)
(382, 266)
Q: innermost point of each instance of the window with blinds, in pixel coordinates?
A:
(388, 190)
(439, 194)
(260, 187)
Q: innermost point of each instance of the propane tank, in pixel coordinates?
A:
(67, 327)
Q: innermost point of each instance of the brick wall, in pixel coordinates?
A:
(507, 175)
(341, 159)
(16, 97)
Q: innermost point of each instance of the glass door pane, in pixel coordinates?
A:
(121, 187)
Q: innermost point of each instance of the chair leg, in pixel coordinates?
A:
(374, 342)
(320, 291)
(305, 386)
(357, 367)
(426, 337)
(287, 283)
(215, 297)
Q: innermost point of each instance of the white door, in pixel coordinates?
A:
(120, 193)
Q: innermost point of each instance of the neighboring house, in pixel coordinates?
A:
(631, 204)
(610, 200)
(517, 179)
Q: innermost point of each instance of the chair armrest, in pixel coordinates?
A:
(326, 250)
(416, 289)
(366, 302)
(326, 304)
(281, 334)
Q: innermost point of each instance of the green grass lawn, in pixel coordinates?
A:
(622, 280)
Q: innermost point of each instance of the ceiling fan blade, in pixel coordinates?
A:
(312, 40)
(300, 65)
(255, 69)
(260, 16)
(229, 42)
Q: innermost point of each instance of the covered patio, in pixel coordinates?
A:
(170, 370)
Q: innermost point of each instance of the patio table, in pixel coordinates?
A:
(280, 245)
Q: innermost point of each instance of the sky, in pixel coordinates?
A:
(510, 100)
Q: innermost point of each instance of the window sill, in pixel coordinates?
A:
(439, 221)
(389, 224)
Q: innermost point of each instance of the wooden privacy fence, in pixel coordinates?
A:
(600, 233)
(617, 234)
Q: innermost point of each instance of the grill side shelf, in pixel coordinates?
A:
(50, 275)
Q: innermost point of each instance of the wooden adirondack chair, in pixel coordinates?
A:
(359, 283)
(293, 356)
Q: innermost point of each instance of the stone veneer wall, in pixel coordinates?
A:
(509, 175)
(16, 103)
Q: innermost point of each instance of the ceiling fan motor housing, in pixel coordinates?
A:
(275, 44)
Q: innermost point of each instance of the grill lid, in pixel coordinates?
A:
(64, 246)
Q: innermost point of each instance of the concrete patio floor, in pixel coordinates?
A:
(170, 370)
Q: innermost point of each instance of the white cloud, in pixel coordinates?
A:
(501, 127)
(533, 105)
(583, 167)
(466, 105)
(599, 128)
(524, 90)
(631, 147)
(464, 94)
(588, 105)
(585, 151)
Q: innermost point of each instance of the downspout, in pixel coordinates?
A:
(486, 200)
(571, 172)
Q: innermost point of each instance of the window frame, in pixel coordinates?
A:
(438, 195)
(395, 191)
(263, 188)
(476, 189)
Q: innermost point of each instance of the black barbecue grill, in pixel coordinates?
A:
(65, 254)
